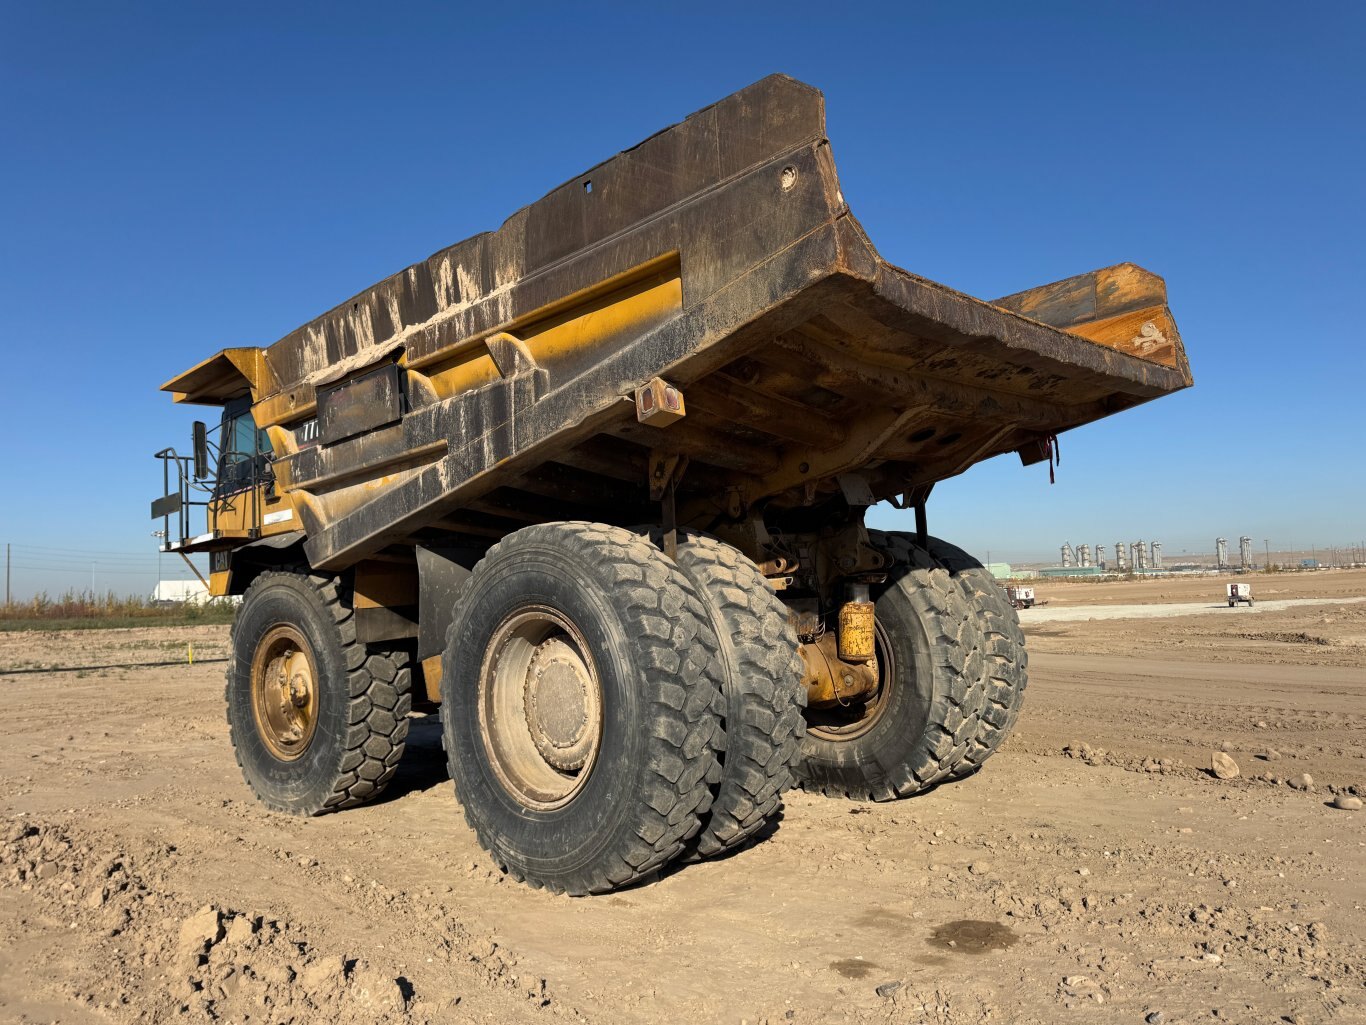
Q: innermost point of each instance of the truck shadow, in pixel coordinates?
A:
(424, 767)
(424, 762)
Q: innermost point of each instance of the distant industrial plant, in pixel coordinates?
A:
(1145, 557)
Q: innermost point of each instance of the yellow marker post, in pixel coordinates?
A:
(189, 650)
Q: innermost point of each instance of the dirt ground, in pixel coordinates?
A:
(1094, 871)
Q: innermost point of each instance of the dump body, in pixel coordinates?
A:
(491, 386)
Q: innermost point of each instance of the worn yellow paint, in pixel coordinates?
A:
(299, 403)
(222, 375)
(1148, 334)
(626, 313)
(1085, 298)
(383, 585)
(431, 675)
(463, 371)
(557, 335)
(856, 641)
(236, 515)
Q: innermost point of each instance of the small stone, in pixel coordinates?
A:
(1303, 781)
(888, 988)
(201, 930)
(46, 870)
(1272, 755)
(239, 930)
(1155, 1018)
(324, 975)
(374, 988)
(981, 868)
(1222, 765)
(1083, 871)
(1261, 724)
(1347, 802)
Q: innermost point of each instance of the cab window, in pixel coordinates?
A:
(244, 450)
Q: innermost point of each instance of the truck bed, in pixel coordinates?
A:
(491, 386)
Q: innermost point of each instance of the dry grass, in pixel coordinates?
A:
(76, 610)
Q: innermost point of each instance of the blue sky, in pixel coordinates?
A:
(177, 178)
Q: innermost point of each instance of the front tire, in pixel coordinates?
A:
(317, 719)
(581, 706)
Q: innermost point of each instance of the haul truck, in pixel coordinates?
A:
(595, 484)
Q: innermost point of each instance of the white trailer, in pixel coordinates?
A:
(1237, 593)
(190, 592)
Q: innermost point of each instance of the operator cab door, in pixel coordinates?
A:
(244, 452)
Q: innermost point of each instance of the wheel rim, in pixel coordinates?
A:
(845, 722)
(540, 708)
(284, 692)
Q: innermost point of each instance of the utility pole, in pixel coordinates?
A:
(6, 574)
(1267, 541)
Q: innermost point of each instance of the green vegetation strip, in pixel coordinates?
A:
(73, 611)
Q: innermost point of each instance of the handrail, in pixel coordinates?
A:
(218, 501)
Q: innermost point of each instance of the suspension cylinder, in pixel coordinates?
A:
(856, 631)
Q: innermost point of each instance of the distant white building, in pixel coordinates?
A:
(184, 591)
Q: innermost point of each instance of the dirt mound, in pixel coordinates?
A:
(160, 961)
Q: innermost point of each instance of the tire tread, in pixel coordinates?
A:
(379, 684)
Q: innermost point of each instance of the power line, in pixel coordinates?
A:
(107, 553)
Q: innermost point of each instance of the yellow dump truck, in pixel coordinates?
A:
(595, 484)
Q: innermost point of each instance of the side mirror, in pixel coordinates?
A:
(201, 450)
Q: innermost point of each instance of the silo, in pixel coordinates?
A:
(1084, 555)
(1100, 555)
(1155, 561)
(1121, 561)
(1245, 553)
(1067, 555)
(1221, 553)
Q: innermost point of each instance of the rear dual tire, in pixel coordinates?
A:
(648, 698)
(762, 687)
(915, 730)
(1005, 662)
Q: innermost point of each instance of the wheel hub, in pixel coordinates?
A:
(559, 693)
(284, 693)
(540, 707)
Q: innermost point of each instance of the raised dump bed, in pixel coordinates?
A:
(695, 336)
